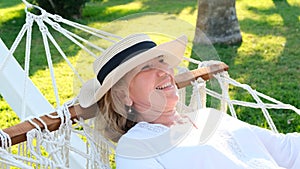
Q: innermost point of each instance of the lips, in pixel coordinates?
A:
(164, 86)
(166, 83)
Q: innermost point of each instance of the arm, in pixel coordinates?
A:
(284, 148)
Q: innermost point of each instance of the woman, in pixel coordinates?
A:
(137, 98)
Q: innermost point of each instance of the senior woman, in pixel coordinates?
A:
(137, 97)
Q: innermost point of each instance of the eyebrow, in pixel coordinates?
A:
(146, 64)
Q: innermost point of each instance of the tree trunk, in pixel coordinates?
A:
(217, 23)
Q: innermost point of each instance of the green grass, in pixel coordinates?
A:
(268, 59)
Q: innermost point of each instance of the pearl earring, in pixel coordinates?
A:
(129, 109)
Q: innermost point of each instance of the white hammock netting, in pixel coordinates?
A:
(73, 144)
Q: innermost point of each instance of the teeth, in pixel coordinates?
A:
(164, 86)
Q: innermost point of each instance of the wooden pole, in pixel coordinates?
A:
(206, 73)
(18, 132)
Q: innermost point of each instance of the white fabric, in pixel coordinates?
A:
(220, 141)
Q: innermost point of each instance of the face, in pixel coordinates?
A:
(153, 92)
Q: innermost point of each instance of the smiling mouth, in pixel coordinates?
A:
(166, 85)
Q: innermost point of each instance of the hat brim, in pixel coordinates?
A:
(173, 52)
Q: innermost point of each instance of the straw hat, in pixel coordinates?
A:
(124, 56)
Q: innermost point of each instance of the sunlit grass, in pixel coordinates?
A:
(294, 2)
(268, 58)
(9, 13)
(64, 80)
(189, 15)
(136, 5)
(270, 46)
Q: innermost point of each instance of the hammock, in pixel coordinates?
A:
(63, 138)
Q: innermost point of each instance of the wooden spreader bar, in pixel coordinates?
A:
(206, 73)
(18, 132)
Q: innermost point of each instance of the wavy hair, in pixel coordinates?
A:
(113, 119)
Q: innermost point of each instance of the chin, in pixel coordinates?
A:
(173, 101)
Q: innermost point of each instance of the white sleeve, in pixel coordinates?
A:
(284, 148)
(126, 163)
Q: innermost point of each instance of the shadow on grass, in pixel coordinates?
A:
(279, 77)
(99, 11)
(10, 30)
(95, 12)
(10, 3)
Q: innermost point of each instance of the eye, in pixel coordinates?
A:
(161, 59)
(153, 63)
(146, 67)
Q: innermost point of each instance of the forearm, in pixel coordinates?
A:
(284, 148)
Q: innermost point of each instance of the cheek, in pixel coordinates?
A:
(171, 71)
(138, 93)
(140, 89)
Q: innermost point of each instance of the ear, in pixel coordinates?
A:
(125, 99)
(128, 101)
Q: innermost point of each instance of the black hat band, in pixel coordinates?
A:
(122, 57)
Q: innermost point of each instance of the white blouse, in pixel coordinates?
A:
(211, 140)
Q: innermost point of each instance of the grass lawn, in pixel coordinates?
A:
(268, 59)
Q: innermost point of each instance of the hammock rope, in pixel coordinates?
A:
(41, 19)
(46, 149)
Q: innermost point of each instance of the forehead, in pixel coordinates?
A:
(152, 61)
(136, 70)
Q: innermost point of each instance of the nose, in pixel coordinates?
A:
(162, 73)
(165, 70)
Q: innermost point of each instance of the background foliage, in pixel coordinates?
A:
(268, 59)
(67, 9)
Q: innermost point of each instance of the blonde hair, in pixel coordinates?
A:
(113, 119)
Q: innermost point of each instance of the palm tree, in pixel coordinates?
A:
(217, 23)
